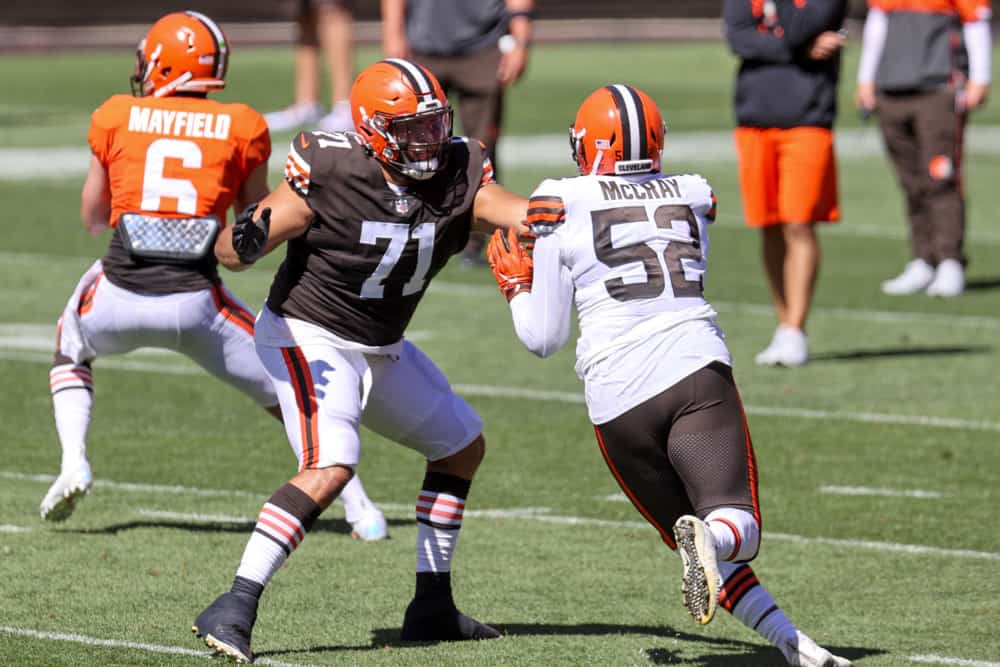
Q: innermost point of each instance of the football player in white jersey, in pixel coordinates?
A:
(629, 244)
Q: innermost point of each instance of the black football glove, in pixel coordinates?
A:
(249, 235)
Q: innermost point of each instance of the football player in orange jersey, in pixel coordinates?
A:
(166, 166)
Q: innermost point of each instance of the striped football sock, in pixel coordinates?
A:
(281, 526)
(746, 599)
(440, 506)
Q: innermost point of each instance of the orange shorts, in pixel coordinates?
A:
(787, 175)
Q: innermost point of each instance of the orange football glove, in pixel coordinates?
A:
(511, 264)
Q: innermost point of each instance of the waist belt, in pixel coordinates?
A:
(179, 240)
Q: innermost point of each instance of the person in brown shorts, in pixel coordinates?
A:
(476, 49)
(786, 102)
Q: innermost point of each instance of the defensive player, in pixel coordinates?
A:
(168, 163)
(629, 244)
(370, 218)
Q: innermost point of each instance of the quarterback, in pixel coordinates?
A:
(369, 217)
(629, 245)
(166, 165)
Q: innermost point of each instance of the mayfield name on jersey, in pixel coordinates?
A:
(197, 124)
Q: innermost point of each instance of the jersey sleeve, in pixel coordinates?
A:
(488, 174)
(546, 208)
(971, 11)
(258, 147)
(702, 197)
(542, 316)
(298, 164)
(102, 129)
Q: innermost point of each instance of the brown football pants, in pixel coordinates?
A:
(923, 136)
(684, 451)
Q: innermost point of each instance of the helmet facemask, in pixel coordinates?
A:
(415, 143)
(137, 82)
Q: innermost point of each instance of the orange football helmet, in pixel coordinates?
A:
(401, 111)
(618, 130)
(184, 52)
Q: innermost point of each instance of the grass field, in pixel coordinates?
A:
(878, 461)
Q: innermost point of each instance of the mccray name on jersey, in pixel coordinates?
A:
(179, 123)
(655, 189)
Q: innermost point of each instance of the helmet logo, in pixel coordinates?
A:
(186, 34)
(429, 105)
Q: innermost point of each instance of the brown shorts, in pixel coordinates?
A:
(684, 451)
(787, 175)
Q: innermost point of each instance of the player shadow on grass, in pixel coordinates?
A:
(984, 284)
(755, 656)
(744, 654)
(907, 351)
(340, 526)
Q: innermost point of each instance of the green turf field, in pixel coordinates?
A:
(878, 461)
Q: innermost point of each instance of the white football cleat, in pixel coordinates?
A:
(804, 652)
(916, 276)
(371, 527)
(789, 348)
(59, 503)
(949, 279)
(338, 120)
(294, 117)
(701, 580)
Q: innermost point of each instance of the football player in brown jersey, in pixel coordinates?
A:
(369, 218)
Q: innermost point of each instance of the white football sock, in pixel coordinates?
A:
(736, 533)
(72, 401)
(356, 501)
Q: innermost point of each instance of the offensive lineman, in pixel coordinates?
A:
(629, 244)
(179, 160)
(370, 218)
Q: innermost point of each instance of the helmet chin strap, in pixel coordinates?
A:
(597, 163)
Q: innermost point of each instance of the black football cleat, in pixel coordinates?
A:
(440, 621)
(226, 625)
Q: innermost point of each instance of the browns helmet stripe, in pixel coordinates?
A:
(414, 74)
(633, 121)
(221, 46)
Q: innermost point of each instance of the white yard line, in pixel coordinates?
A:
(882, 492)
(539, 514)
(7, 528)
(174, 368)
(126, 644)
(947, 660)
(543, 515)
(757, 309)
(541, 151)
(167, 489)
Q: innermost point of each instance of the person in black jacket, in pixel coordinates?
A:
(785, 102)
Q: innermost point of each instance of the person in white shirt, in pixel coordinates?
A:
(629, 245)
